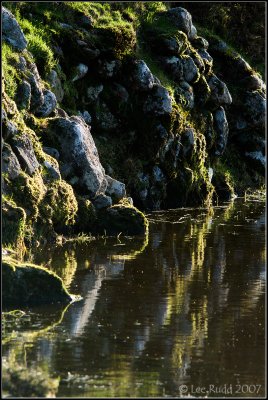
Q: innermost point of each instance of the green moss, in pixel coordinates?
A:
(59, 204)
(9, 72)
(28, 192)
(127, 220)
(26, 284)
(13, 224)
(38, 44)
(86, 219)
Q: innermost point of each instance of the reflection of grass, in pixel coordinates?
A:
(134, 253)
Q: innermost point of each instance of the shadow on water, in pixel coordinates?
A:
(183, 306)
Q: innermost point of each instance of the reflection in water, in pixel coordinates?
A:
(184, 307)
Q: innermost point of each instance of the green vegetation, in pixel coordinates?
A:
(9, 73)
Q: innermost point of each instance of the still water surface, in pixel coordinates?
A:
(184, 306)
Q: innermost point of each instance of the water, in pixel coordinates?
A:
(180, 312)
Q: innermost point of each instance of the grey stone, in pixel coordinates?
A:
(182, 19)
(52, 152)
(10, 164)
(37, 96)
(174, 66)
(158, 175)
(53, 172)
(185, 95)
(23, 97)
(258, 160)
(115, 189)
(188, 142)
(220, 94)
(102, 201)
(200, 43)
(8, 129)
(93, 92)
(255, 105)
(49, 105)
(22, 64)
(80, 71)
(106, 121)
(253, 82)
(222, 130)
(120, 93)
(23, 148)
(108, 69)
(158, 102)
(11, 31)
(141, 78)
(55, 84)
(86, 116)
(190, 71)
(78, 150)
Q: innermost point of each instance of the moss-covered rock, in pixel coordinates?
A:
(123, 218)
(13, 223)
(28, 284)
(86, 219)
(60, 204)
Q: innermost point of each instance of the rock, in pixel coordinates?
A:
(37, 97)
(55, 84)
(53, 172)
(106, 121)
(86, 219)
(210, 174)
(23, 148)
(115, 189)
(184, 95)
(220, 94)
(85, 22)
(258, 161)
(93, 92)
(141, 77)
(252, 82)
(200, 43)
(158, 175)
(78, 151)
(190, 70)
(202, 91)
(8, 129)
(28, 284)
(102, 201)
(61, 113)
(126, 220)
(222, 130)
(158, 102)
(174, 66)
(120, 93)
(182, 19)
(52, 152)
(91, 54)
(188, 143)
(255, 105)
(11, 31)
(86, 116)
(10, 164)
(207, 59)
(23, 97)
(22, 64)
(80, 71)
(13, 224)
(108, 69)
(49, 105)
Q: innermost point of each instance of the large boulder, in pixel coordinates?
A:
(11, 31)
(27, 284)
(79, 153)
(158, 102)
(182, 19)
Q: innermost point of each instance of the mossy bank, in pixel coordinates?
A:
(112, 106)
